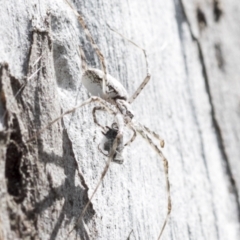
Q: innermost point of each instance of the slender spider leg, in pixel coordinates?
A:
(148, 75)
(165, 164)
(153, 134)
(94, 45)
(98, 108)
(110, 158)
(133, 136)
(140, 88)
(90, 100)
(83, 59)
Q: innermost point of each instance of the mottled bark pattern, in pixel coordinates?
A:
(192, 101)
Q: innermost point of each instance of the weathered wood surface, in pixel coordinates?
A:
(192, 101)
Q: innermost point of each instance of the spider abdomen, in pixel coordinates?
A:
(92, 80)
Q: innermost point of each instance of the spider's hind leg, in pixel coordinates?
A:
(154, 135)
(144, 132)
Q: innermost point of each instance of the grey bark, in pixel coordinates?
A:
(192, 101)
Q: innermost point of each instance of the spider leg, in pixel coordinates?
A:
(83, 59)
(153, 134)
(110, 158)
(94, 45)
(148, 75)
(99, 108)
(133, 136)
(88, 101)
(140, 88)
(165, 165)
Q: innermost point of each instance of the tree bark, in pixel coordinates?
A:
(192, 101)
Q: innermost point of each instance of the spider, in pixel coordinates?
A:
(112, 97)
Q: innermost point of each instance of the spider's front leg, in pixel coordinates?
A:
(148, 135)
(95, 109)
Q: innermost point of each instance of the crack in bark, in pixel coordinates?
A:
(215, 123)
(180, 19)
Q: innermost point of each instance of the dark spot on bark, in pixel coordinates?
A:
(13, 163)
(219, 56)
(217, 11)
(202, 22)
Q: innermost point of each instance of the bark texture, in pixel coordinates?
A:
(192, 101)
